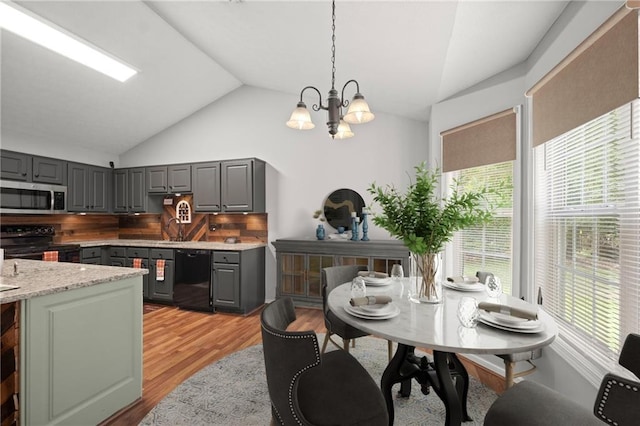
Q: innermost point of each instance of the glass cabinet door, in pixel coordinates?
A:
(314, 277)
(347, 260)
(384, 265)
(292, 274)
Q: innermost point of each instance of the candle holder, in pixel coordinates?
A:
(365, 227)
(354, 228)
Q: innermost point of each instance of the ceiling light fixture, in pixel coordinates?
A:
(46, 35)
(357, 113)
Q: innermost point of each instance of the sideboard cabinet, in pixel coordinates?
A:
(300, 263)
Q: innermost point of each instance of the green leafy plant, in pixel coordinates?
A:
(422, 219)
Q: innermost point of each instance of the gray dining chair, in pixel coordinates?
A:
(531, 404)
(331, 278)
(307, 388)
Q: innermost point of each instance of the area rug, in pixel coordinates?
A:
(233, 392)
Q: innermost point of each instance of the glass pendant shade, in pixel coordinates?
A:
(344, 131)
(358, 111)
(300, 118)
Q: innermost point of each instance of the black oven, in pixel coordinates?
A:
(32, 241)
(25, 197)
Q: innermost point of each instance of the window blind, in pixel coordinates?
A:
(487, 248)
(599, 75)
(587, 231)
(479, 154)
(489, 140)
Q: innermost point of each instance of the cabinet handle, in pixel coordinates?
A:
(37, 175)
(24, 173)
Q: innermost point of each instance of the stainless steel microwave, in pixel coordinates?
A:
(25, 197)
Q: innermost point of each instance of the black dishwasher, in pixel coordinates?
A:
(192, 287)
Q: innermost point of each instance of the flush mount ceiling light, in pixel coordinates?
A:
(358, 109)
(45, 34)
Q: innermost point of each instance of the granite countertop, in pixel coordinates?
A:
(39, 278)
(202, 245)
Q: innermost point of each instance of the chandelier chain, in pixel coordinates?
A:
(333, 45)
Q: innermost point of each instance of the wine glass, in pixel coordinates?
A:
(493, 286)
(468, 311)
(358, 288)
(396, 272)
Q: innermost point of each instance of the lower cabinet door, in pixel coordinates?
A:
(162, 290)
(226, 285)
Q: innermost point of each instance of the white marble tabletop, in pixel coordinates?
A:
(437, 326)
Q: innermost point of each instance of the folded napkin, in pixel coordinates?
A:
(137, 262)
(370, 300)
(372, 274)
(463, 280)
(160, 269)
(521, 312)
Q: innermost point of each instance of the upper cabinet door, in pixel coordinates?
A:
(15, 166)
(49, 170)
(120, 191)
(77, 190)
(99, 191)
(157, 180)
(237, 186)
(179, 177)
(206, 187)
(137, 190)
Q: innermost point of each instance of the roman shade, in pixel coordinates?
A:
(485, 141)
(600, 75)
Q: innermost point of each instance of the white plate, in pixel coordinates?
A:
(373, 281)
(509, 320)
(360, 314)
(512, 329)
(377, 309)
(464, 287)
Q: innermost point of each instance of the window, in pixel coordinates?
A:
(587, 231)
(489, 247)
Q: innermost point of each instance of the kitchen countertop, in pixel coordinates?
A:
(39, 278)
(202, 245)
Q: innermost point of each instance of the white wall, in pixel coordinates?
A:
(303, 166)
(31, 144)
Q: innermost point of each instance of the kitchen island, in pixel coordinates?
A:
(80, 339)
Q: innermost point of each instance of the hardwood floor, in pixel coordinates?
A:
(178, 343)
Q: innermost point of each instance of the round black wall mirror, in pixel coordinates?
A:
(339, 205)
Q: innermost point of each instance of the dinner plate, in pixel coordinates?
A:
(365, 315)
(528, 330)
(377, 309)
(509, 320)
(464, 287)
(373, 281)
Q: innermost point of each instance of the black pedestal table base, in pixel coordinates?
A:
(446, 375)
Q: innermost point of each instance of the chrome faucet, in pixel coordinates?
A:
(180, 236)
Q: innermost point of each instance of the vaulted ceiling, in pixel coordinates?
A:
(406, 55)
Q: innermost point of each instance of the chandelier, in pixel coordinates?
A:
(358, 109)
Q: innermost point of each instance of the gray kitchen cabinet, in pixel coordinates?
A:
(129, 190)
(242, 185)
(93, 255)
(205, 182)
(142, 253)
(229, 186)
(169, 179)
(157, 180)
(238, 280)
(161, 290)
(89, 188)
(15, 166)
(48, 170)
(30, 168)
(300, 262)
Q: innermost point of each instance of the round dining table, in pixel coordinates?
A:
(436, 327)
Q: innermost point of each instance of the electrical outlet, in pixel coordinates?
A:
(213, 227)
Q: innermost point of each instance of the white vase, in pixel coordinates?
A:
(424, 282)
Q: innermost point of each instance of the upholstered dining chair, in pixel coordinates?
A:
(307, 388)
(331, 278)
(530, 404)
